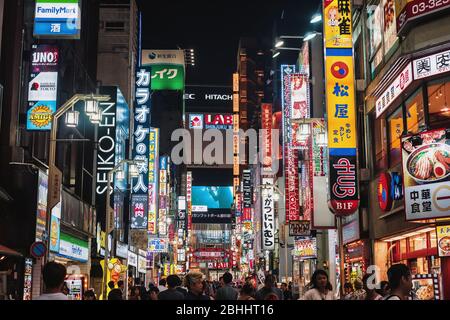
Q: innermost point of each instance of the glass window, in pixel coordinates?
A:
(403, 246)
(414, 112)
(395, 127)
(433, 240)
(438, 104)
(418, 242)
(380, 144)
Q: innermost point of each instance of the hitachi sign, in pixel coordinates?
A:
(218, 97)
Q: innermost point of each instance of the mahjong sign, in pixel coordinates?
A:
(426, 174)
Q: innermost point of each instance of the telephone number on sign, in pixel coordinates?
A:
(428, 5)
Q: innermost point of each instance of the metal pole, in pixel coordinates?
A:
(341, 253)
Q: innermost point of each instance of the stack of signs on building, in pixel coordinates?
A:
(167, 68)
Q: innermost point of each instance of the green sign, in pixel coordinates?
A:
(167, 77)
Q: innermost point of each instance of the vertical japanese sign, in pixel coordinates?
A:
(41, 212)
(181, 218)
(286, 71)
(266, 125)
(248, 195)
(299, 96)
(268, 221)
(292, 185)
(167, 68)
(189, 199)
(163, 199)
(341, 110)
(141, 137)
(43, 87)
(153, 162)
(426, 175)
(57, 19)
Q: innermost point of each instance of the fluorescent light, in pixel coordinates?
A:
(279, 43)
(276, 54)
(316, 18)
(309, 36)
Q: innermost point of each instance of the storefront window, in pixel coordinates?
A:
(433, 240)
(403, 246)
(380, 144)
(438, 104)
(395, 127)
(418, 242)
(414, 112)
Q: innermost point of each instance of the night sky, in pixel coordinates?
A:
(213, 29)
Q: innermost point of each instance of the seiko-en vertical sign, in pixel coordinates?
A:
(139, 198)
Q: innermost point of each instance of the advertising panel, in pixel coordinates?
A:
(390, 25)
(426, 174)
(57, 19)
(305, 248)
(443, 240)
(341, 109)
(142, 264)
(268, 215)
(167, 68)
(299, 228)
(299, 96)
(132, 259)
(43, 87)
(73, 248)
(153, 180)
(266, 126)
(157, 245)
(431, 65)
(41, 213)
(292, 185)
(426, 287)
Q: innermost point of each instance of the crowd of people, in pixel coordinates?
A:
(194, 287)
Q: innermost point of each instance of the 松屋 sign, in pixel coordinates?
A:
(43, 87)
(57, 19)
(341, 109)
(141, 136)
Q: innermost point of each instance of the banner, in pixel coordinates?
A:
(268, 215)
(266, 126)
(167, 70)
(305, 248)
(426, 175)
(141, 143)
(57, 19)
(157, 245)
(292, 185)
(43, 87)
(341, 109)
(299, 96)
(153, 164)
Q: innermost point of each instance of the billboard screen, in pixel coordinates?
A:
(214, 197)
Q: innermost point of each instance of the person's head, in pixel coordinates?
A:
(384, 288)
(284, 286)
(194, 282)
(89, 295)
(120, 284)
(320, 280)
(348, 288)
(269, 281)
(247, 290)
(271, 296)
(111, 284)
(153, 292)
(54, 274)
(221, 281)
(173, 281)
(162, 282)
(227, 278)
(399, 277)
(136, 292)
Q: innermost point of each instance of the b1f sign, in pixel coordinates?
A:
(57, 19)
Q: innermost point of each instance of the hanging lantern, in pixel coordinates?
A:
(72, 118)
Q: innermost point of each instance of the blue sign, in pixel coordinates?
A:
(38, 249)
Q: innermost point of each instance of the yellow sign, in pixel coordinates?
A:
(443, 240)
(115, 271)
(341, 102)
(338, 23)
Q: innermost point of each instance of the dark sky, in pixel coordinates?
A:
(213, 29)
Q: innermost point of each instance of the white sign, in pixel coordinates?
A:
(432, 65)
(151, 57)
(142, 264)
(268, 216)
(403, 80)
(72, 250)
(132, 259)
(189, 186)
(199, 208)
(121, 250)
(427, 201)
(43, 87)
(57, 10)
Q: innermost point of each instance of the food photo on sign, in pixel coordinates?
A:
(426, 174)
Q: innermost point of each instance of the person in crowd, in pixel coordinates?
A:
(135, 293)
(400, 282)
(221, 283)
(207, 290)
(65, 289)
(321, 288)
(171, 293)
(287, 293)
(162, 285)
(194, 283)
(371, 293)
(271, 296)
(269, 287)
(348, 291)
(247, 292)
(384, 289)
(227, 292)
(180, 288)
(359, 293)
(115, 293)
(121, 286)
(53, 274)
(153, 293)
(90, 295)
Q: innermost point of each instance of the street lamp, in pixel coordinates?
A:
(54, 174)
(279, 43)
(109, 225)
(310, 36)
(316, 18)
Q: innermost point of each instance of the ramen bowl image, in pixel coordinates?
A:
(429, 163)
(444, 244)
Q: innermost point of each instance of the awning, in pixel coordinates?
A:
(9, 252)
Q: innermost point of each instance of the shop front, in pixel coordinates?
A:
(304, 262)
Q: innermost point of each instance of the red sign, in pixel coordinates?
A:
(292, 185)
(247, 214)
(417, 9)
(218, 119)
(383, 191)
(266, 124)
(209, 254)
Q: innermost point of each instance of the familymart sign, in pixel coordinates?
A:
(57, 19)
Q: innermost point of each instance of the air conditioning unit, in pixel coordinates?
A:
(364, 175)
